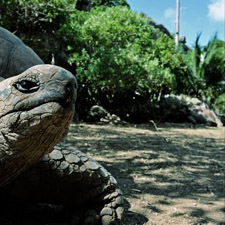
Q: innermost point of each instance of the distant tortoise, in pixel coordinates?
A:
(36, 108)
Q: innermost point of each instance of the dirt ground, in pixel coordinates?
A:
(170, 174)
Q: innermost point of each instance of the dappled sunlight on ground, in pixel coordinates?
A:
(170, 174)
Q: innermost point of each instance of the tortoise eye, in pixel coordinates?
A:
(26, 86)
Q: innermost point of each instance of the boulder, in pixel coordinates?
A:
(96, 113)
(99, 114)
(182, 108)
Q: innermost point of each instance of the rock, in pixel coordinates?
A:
(163, 29)
(160, 27)
(222, 118)
(106, 211)
(96, 113)
(182, 108)
(99, 114)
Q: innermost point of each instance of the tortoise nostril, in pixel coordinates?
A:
(70, 86)
(70, 89)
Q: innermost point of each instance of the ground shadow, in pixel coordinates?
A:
(169, 163)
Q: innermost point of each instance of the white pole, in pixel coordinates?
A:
(177, 23)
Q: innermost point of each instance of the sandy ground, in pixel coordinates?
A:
(170, 174)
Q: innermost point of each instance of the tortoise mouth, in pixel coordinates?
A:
(46, 119)
(51, 108)
(30, 134)
(45, 106)
(39, 129)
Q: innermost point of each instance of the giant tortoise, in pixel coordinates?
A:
(39, 173)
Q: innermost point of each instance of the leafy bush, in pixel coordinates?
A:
(120, 56)
(219, 104)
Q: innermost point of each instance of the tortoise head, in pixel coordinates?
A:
(36, 108)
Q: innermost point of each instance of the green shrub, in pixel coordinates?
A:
(119, 56)
(219, 104)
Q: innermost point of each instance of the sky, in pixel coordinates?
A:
(196, 16)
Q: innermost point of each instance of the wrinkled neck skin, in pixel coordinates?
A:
(21, 147)
(32, 124)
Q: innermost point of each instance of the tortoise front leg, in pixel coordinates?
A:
(69, 177)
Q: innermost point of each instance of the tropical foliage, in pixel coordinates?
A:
(207, 69)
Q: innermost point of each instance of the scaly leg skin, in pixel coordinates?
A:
(69, 177)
